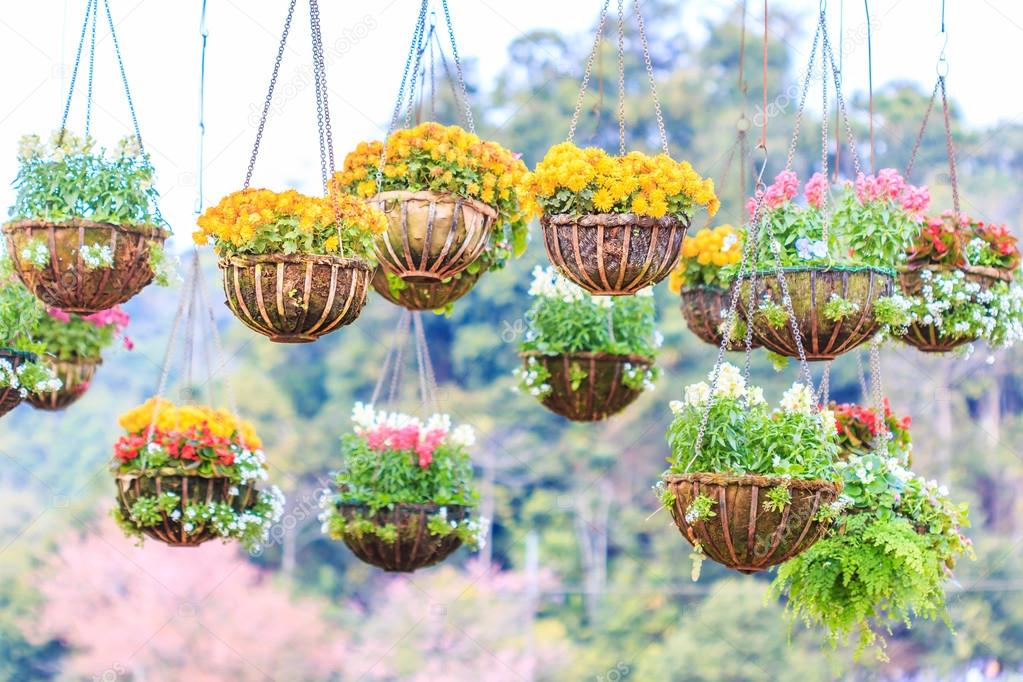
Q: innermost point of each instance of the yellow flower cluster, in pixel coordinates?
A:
(431, 156)
(261, 220)
(173, 418)
(635, 183)
(703, 256)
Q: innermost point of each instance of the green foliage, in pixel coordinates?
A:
(743, 437)
(778, 498)
(69, 178)
(773, 313)
(702, 507)
(962, 309)
(566, 319)
(76, 338)
(838, 308)
(894, 313)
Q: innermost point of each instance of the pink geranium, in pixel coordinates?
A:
(889, 185)
(815, 190)
(784, 188)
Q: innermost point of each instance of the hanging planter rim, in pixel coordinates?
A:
(146, 230)
(760, 480)
(764, 272)
(429, 507)
(23, 355)
(587, 355)
(435, 197)
(249, 260)
(164, 473)
(704, 287)
(1001, 274)
(612, 220)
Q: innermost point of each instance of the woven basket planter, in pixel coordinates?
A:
(704, 310)
(613, 254)
(415, 547)
(428, 295)
(190, 489)
(810, 290)
(11, 397)
(66, 282)
(926, 337)
(744, 535)
(601, 394)
(431, 235)
(75, 376)
(295, 298)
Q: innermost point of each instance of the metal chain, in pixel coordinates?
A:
(802, 100)
(864, 390)
(923, 129)
(420, 50)
(124, 78)
(588, 70)
(74, 71)
(270, 92)
(950, 148)
(825, 219)
(875, 381)
(650, 76)
(400, 337)
(448, 76)
(851, 140)
(92, 71)
(427, 379)
(161, 386)
(458, 69)
(824, 389)
(322, 113)
(621, 77)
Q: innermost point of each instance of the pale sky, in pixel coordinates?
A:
(366, 44)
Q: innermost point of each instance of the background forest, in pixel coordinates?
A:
(582, 580)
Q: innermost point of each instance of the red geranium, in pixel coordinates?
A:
(858, 427)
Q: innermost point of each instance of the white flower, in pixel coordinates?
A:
(696, 394)
(676, 406)
(464, 435)
(97, 256)
(658, 339)
(730, 382)
(799, 398)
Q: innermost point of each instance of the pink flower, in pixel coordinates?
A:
(428, 444)
(890, 183)
(128, 344)
(915, 200)
(867, 188)
(58, 314)
(815, 189)
(784, 188)
(751, 203)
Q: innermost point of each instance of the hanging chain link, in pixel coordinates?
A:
(923, 129)
(828, 53)
(825, 217)
(270, 93)
(648, 62)
(89, 4)
(588, 70)
(621, 77)
(790, 159)
(92, 71)
(458, 69)
(875, 381)
(950, 148)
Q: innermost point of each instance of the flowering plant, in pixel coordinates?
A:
(872, 220)
(20, 313)
(564, 318)
(743, 436)
(962, 309)
(706, 257)
(68, 336)
(440, 158)
(71, 178)
(859, 427)
(395, 459)
(259, 221)
(898, 543)
(949, 242)
(163, 439)
(579, 181)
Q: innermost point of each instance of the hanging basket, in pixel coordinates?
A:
(414, 548)
(613, 254)
(295, 298)
(75, 376)
(810, 289)
(744, 535)
(431, 235)
(11, 397)
(66, 282)
(926, 337)
(704, 310)
(190, 489)
(428, 295)
(601, 394)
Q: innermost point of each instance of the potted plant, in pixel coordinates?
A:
(187, 474)
(295, 267)
(887, 560)
(860, 430)
(702, 280)
(85, 233)
(959, 283)
(455, 206)
(404, 498)
(586, 357)
(21, 373)
(73, 345)
(614, 224)
(839, 290)
(759, 487)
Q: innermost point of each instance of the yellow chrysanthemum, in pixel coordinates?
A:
(704, 254)
(169, 417)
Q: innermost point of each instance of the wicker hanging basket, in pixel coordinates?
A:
(926, 337)
(744, 535)
(190, 489)
(810, 289)
(429, 295)
(66, 282)
(295, 298)
(415, 547)
(11, 397)
(704, 310)
(431, 235)
(601, 394)
(75, 376)
(614, 254)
